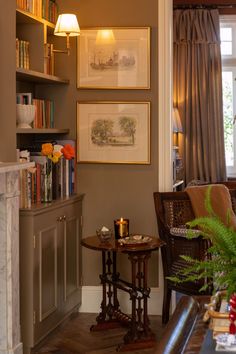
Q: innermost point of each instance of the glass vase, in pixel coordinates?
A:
(47, 182)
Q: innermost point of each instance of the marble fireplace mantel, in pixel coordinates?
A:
(10, 341)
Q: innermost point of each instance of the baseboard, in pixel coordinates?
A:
(18, 349)
(92, 297)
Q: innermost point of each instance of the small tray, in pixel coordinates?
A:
(135, 240)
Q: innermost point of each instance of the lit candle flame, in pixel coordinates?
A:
(121, 219)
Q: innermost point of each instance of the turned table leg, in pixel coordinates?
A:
(139, 335)
(108, 317)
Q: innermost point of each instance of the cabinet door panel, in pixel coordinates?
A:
(46, 304)
(47, 272)
(71, 254)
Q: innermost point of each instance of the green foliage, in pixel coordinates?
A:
(220, 263)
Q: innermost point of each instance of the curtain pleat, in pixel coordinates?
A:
(198, 93)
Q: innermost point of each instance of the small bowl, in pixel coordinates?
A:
(104, 235)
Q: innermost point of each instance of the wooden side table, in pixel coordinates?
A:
(139, 335)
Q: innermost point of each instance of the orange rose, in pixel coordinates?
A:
(47, 149)
(68, 152)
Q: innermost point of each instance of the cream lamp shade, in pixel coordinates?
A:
(67, 24)
(177, 125)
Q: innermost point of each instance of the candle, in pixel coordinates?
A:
(121, 228)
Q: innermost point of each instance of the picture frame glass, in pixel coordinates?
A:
(113, 132)
(114, 58)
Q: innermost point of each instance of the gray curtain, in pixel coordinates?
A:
(198, 93)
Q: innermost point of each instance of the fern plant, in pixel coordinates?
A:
(220, 264)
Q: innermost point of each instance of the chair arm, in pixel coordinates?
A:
(184, 232)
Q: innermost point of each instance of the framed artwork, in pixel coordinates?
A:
(113, 132)
(114, 58)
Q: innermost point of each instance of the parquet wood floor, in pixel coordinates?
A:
(74, 337)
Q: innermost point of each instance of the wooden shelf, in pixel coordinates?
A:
(42, 131)
(26, 17)
(37, 77)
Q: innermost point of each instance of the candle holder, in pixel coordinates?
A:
(121, 228)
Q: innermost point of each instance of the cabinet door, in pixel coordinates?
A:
(71, 296)
(46, 302)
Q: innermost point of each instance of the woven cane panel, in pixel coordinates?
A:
(177, 212)
(233, 199)
(181, 246)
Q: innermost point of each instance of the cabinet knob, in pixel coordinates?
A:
(63, 217)
(60, 218)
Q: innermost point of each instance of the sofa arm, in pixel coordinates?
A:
(179, 328)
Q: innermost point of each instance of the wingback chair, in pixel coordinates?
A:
(174, 209)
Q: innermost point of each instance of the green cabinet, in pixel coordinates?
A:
(50, 266)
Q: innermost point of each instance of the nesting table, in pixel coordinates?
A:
(139, 334)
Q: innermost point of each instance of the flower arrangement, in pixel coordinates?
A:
(55, 152)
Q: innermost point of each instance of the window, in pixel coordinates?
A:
(226, 40)
(228, 52)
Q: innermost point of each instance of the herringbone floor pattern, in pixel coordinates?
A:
(74, 337)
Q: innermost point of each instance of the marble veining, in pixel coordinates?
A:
(9, 259)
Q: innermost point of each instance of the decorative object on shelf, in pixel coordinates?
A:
(121, 228)
(114, 58)
(113, 132)
(54, 153)
(66, 26)
(104, 234)
(25, 115)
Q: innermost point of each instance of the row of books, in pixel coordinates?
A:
(49, 10)
(44, 113)
(22, 54)
(47, 181)
(48, 59)
(44, 110)
(46, 9)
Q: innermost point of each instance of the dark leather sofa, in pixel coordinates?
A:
(185, 330)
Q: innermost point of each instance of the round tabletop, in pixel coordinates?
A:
(94, 243)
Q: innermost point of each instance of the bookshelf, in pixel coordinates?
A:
(27, 17)
(42, 131)
(34, 81)
(51, 283)
(38, 77)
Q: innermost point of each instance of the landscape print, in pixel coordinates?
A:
(118, 130)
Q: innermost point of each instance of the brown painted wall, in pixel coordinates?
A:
(112, 191)
(7, 82)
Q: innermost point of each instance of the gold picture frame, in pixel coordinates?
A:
(113, 132)
(114, 58)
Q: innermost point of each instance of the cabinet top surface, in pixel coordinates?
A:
(94, 243)
(44, 207)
